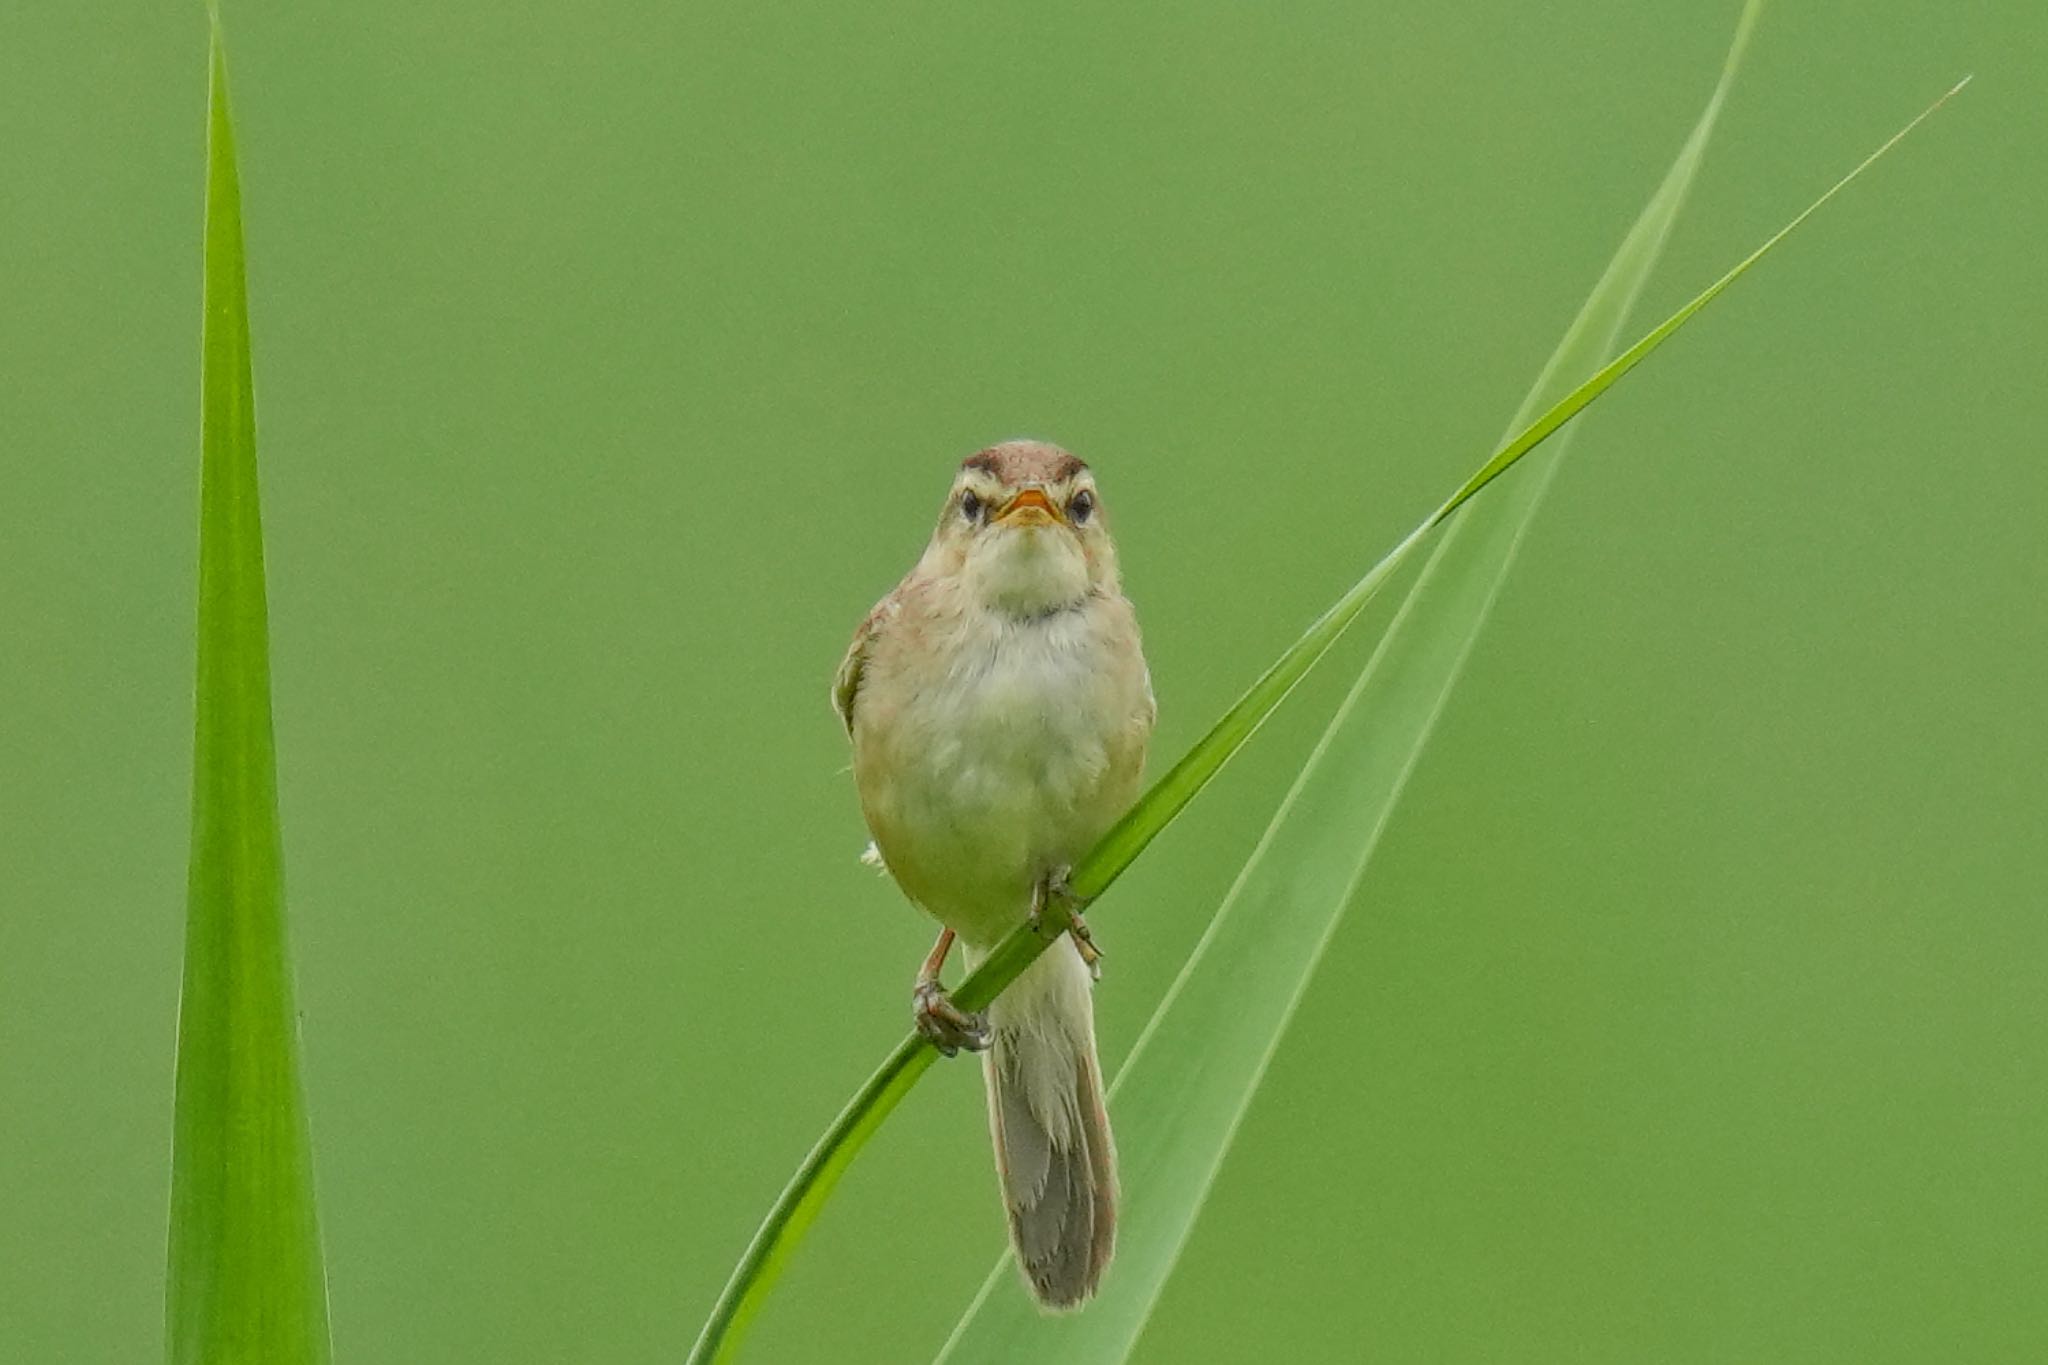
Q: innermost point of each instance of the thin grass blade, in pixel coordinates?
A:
(1172, 792)
(245, 1280)
(1195, 1069)
(798, 1204)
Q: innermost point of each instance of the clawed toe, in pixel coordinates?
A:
(1054, 890)
(949, 1027)
(1053, 893)
(1084, 944)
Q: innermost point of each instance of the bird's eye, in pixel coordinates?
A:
(970, 505)
(1080, 507)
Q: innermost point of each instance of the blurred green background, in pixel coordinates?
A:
(613, 358)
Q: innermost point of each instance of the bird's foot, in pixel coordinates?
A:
(949, 1027)
(1053, 903)
(1084, 944)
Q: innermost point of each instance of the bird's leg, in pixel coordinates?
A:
(949, 1027)
(1053, 900)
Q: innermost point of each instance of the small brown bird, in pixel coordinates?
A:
(999, 708)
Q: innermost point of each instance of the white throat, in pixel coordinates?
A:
(1027, 572)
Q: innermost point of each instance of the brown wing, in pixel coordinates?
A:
(846, 682)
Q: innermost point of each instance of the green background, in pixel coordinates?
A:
(613, 358)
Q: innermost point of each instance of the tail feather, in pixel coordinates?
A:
(1053, 1147)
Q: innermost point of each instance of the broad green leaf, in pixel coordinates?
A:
(797, 1207)
(245, 1284)
(1178, 1100)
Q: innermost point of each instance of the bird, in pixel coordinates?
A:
(999, 707)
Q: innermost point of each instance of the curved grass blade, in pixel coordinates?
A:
(1191, 1077)
(796, 1207)
(245, 1280)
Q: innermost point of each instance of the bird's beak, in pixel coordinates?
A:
(1030, 508)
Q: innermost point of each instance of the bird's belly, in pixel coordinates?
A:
(975, 788)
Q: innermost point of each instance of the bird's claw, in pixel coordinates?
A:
(948, 1027)
(1084, 944)
(1054, 889)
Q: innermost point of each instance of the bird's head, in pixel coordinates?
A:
(1023, 527)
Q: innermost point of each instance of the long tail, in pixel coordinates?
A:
(1053, 1149)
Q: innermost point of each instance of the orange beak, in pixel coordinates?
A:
(1029, 508)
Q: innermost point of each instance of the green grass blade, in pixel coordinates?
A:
(1191, 1077)
(245, 1281)
(1172, 792)
(797, 1206)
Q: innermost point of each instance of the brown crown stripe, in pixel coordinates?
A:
(1018, 462)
